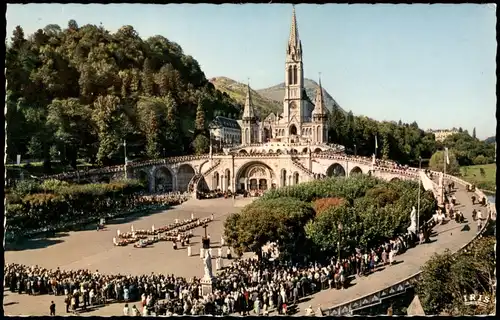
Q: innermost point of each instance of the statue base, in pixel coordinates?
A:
(207, 286)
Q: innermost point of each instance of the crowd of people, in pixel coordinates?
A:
(244, 286)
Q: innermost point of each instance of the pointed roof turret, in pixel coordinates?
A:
(248, 112)
(319, 103)
(294, 43)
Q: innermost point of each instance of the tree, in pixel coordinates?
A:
(474, 133)
(56, 75)
(200, 117)
(446, 278)
(71, 123)
(276, 220)
(371, 210)
(201, 144)
(437, 162)
(109, 121)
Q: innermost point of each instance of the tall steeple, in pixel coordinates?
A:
(248, 112)
(319, 104)
(294, 47)
(294, 104)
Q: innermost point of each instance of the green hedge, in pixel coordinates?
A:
(35, 206)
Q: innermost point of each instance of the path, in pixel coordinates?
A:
(94, 250)
(449, 236)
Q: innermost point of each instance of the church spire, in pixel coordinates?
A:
(319, 104)
(248, 112)
(294, 44)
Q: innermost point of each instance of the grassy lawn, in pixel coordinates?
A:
(487, 181)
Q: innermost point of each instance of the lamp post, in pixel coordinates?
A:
(125, 153)
(355, 150)
(339, 227)
(418, 197)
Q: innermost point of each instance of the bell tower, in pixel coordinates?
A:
(293, 104)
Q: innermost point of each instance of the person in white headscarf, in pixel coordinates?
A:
(309, 311)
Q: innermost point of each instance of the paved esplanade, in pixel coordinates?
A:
(94, 250)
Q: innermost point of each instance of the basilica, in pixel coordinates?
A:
(302, 122)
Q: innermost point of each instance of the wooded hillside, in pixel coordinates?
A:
(79, 92)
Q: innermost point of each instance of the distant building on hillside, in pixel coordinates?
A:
(442, 134)
(225, 131)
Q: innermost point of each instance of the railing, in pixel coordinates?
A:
(302, 167)
(118, 168)
(376, 297)
(194, 182)
(212, 168)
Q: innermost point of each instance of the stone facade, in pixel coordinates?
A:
(301, 120)
(247, 171)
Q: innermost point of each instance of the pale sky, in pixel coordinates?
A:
(433, 64)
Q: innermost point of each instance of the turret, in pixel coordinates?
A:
(319, 112)
(248, 111)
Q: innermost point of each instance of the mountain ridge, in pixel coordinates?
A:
(269, 99)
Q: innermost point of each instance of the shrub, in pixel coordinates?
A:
(480, 159)
(66, 202)
(53, 185)
(266, 220)
(371, 211)
(324, 204)
(25, 187)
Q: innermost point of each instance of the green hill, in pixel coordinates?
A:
(237, 91)
(277, 92)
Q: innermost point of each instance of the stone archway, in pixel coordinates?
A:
(283, 178)
(227, 180)
(267, 134)
(184, 176)
(305, 150)
(335, 170)
(292, 130)
(164, 180)
(103, 179)
(255, 176)
(296, 178)
(279, 151)
(356, 170)
(142, 176)
(395, 179)
(242, 151)
(293, 151)
(215, 181)
(317, 150)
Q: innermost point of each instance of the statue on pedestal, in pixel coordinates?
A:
(413, 221)
(208, 266)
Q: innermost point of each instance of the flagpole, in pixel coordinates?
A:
(418, 200)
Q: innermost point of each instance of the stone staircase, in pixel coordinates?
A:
(300, 166)
(212, 168)
(195, 180)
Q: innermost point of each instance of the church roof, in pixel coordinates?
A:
(294, 43)
(319, 104)
(223, 122)
(248, 111)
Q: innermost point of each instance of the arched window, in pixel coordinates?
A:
(295, 74)
(290, 79)
(283, 177)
